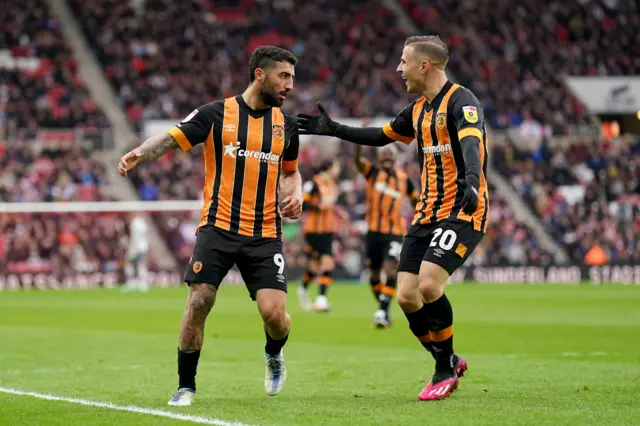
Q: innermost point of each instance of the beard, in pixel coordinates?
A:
(269, 96)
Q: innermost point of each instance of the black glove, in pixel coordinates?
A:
(317, 124)
(470, 197)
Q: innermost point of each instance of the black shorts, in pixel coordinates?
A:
(381, 247)
(259, 260)
(448, 243)
(319, 245)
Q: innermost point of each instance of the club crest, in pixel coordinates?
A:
(278, 132)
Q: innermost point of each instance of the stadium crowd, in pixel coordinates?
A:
(514, 55)
(164, 57)
(586, 193)
(158, 54)
(62, 245)
(39, 82)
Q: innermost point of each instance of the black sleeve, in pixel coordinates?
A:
(369, 136)
(468, 118)
(401, 127)
(290, 155)
(195, 128)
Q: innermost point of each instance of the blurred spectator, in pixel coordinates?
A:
(63, 244)
(165, 57)
(31, 173)
(514, 55)
(39, 78)
(587, 193)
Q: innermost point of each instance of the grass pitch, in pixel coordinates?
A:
(537, 355)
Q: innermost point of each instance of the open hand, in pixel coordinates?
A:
(129, 161)
(319, 124)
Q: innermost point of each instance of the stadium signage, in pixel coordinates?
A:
(47, 281)
(608, 95)
(625, 274)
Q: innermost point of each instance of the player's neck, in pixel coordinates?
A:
(435, 86)
(251, 97)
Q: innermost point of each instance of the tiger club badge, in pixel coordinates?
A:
(278, 132)
(197, 266)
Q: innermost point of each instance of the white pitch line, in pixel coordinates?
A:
(129, 408)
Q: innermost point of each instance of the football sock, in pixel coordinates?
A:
(307, 278)
(419, 326)
(440, 318)
(273, 347)
(386, 294)
(187, 366)
(325, 280)
(376, 286)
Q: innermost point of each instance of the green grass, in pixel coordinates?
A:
(537, 355)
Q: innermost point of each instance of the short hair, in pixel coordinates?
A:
(266, 57)
(432, 46)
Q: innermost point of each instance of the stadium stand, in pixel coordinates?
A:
(164, 57)
(39, 75)
(587, 193)
(514, 55)
(49, 125)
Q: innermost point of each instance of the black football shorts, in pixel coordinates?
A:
(260, 260)
(319, 245)
(448, 243)
(381, 247)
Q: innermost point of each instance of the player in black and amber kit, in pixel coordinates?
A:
(451, 215)
(386, 190)
(251, 162)
(320, 197)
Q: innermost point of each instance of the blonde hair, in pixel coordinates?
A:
(432, 46)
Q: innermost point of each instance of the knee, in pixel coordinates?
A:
(408, 295)
(408, 301)
(275, 316)
(374, 276)
(327, 263)
(430, 288)
(201, 299)
(390, 271)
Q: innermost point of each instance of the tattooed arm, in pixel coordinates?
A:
(152, 149)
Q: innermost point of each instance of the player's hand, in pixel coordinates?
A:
(292, 206)
(470, 197)
(129, 161)
(321, 124)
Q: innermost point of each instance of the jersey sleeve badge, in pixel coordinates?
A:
(470, 113)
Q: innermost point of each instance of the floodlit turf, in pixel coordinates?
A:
(537, 355)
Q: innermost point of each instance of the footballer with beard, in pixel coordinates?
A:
(251, 161)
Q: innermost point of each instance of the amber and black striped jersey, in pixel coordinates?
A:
(244, 152)
(320, 195)
(440, 127)
(385, 193)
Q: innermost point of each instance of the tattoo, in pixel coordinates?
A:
(201, 300)
(156, 146)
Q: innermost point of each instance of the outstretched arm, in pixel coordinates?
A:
(150, 150)
(322, 124)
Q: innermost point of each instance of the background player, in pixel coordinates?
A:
(136, 268)
(320, 197)
(248, 142)
(387, 187)
(451, 216)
